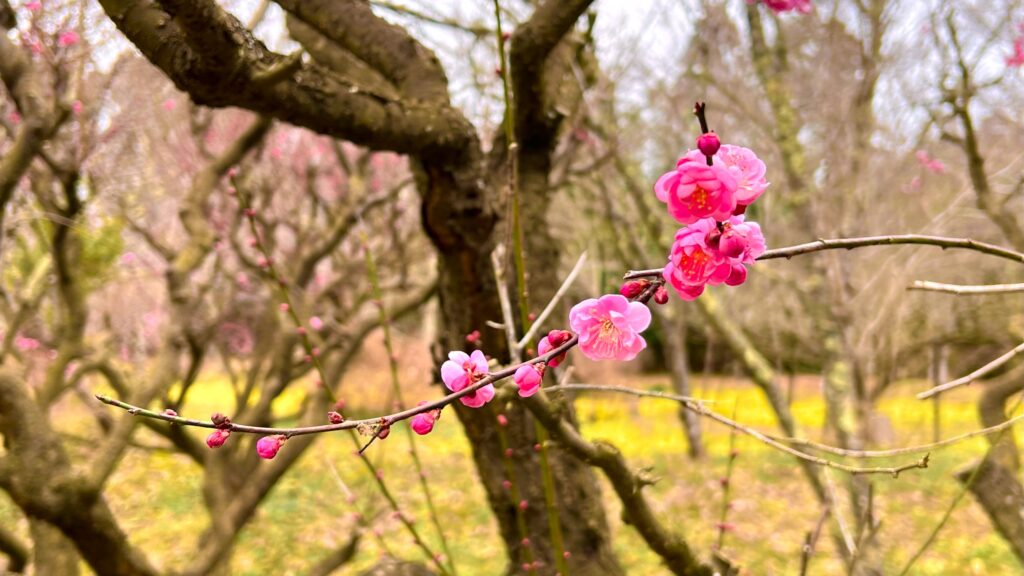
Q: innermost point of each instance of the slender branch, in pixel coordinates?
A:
(478, 30)
(771, 441)
(497, 261)
(980, 372)
(543, 316)
(851, 243)
(348, 424)
(812, 540)
(966, 289)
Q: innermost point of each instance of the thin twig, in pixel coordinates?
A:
(347, 424)
(966, 289)
(498, 263)
(851, 243)
(535, 327)
(700, 409)
(980, 372)
(811, 541)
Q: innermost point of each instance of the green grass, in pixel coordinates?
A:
(156, 495)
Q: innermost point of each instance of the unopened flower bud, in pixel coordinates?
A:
(633, 288)
(523, 504)
(335, 418)
(170, 412)
(220, 421)
(661, 295)
(506, 484)
(709, 144)
(502, 420)
(268, 446)
(218, 437)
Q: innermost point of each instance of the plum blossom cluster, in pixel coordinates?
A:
(708, 192)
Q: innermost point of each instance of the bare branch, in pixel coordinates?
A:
(543, 316)
(979, 373)
(851, 243)
(966, 290)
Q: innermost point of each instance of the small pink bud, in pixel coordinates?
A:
(316, 323)
(284, 307)
(566, 554)
(218, 437)
(502, 420)
(473, 337)
(527, 567)
(301, 330)
(661, 295)
(76, 106)
(233, 171)
(506, 484)
(537, 447)
(335, 418)
(268, 446)
(170, 412)
(263, 262)
(316, 352)
(523, 504)
(525, 542)
(254, 243)
(340, 405)
(528, 379)
(633, 288)
(423, 423)
(250, 212)
(709, 143)
(384, 432)
(508, 452)
(531, 316)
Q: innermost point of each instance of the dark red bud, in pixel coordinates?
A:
(335, 418)
(220, 421)
(661, 295)
(633, 288)
(709, 143)
(558, 337)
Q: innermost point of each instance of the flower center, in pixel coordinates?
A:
(699, 198)
(608, 331)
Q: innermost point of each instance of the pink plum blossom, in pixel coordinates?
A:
(553, 340)
(268, 446)
(462, 370)
(695, 190)
(423, 423)
(609, 327)
(709, 253)
(748, 170)
(528, 378)
(67, 38)
(218, 437)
